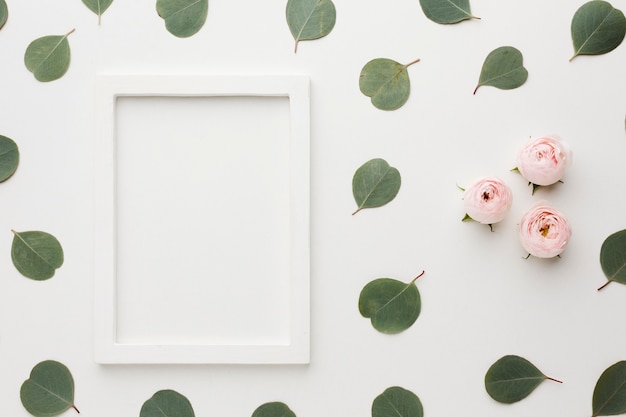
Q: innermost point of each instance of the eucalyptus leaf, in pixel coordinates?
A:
(447, 11)
(391, 305)
(48, 57)
(183, 18)
(98, 6)
(613, 258)
(36, 255)
(397, 402)
(512, 378)
(503, 68)
(49, 391)
(4, 13)
(375, 184)
(9, 158)
(597, 28)
(310, 19)
(386, 82)
(609, 395)
(167, 403)
(273, 409)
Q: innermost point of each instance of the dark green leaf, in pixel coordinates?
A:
(9, 158)
(49, 391)
(391, 305)
(613, 258)
(447, 11)
(397, 402)
(386, 82)
(4, 13)
(597, 28)
(273, 409)
(375, 184)
(609, 395)
(98, 6)
(183, 18)
(167, 403)
(310, 19)
(511, 378)
(48, 57)
(36, 254)
(503, 68)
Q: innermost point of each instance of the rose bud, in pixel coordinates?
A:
(543, 160)
(544, 231)
(487, 200)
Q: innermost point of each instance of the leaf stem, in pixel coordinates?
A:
(412, 62)
(74, 407)
(70, 32)
(555, 380)
(476, 89)
(415, 279)
(604, 285)
(357, 210)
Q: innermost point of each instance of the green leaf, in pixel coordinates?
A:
(609, 395)
(98, 6)
(167, 403)
(48, 57)
(4, 13)
(503, 68)
(310, 19)
(49, 391)
(273, 409)
(597, 28)
(613, 258)
(391, 305)
(397, 402)
(447, 11)
(511, 378)
(183, 18)
(386, 82)
(36, 254)
(375, 184)
(9, 157)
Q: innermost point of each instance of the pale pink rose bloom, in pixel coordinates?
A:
(487, 200)
(543, 160)
(544, 231)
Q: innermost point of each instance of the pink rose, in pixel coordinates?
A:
(487, 200)
(543, 160)
(544, 231)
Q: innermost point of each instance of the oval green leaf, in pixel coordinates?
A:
(386, 82)
(375, 184)
(48, 57)
(49, 391)
(273, 409)
(447, 11)
(503, 68)
(310, 19)
(512, 378)
(4, 13)
(397, 402)
(98, 6)
(391, 305)
(9, 158)
(36, 255)
(167, 403)
(183, 18)
(609, 395)
(597, 28)
(613, 258)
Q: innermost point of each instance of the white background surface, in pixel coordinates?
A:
(481, 300)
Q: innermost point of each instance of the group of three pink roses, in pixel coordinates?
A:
(544, 231)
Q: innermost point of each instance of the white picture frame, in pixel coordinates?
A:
(124, 314)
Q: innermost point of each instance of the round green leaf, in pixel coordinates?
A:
(310, 19)
(183, 18)
(273, 409)
(512, 378)
(386, 82)
(9, 158)
(503, 68)
(98, 6)
(375, 184)
(49, 391)
(36, 254)
(391, 305)
(397, 402)
(609, 395)
(167, 403)
(597, 28)
(4, 13)
(48, 57)
(447, 11)
(613, 258)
